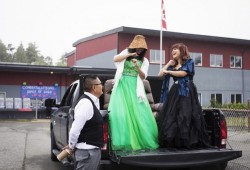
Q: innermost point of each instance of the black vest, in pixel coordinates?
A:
(92, 132)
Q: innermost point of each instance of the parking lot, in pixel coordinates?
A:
(25, 145)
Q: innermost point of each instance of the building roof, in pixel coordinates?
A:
(70, 53)
(19, 67)
(10, 67)
(166, 34)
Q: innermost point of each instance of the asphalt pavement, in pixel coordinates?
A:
(239, 140)
(25, 146)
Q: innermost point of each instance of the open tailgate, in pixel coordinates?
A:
(174, 158)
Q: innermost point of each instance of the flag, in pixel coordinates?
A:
(163, 16)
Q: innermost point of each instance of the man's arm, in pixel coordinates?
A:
(83, 112)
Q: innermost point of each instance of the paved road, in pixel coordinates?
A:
(26, 146)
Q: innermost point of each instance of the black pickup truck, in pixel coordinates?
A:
(62, 118)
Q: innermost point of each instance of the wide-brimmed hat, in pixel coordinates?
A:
(138, 42)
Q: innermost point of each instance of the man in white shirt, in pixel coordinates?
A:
(86, 133)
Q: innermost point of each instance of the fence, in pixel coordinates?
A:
(238, 120)
(238, 124)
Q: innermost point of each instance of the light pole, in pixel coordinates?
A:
(10, 51)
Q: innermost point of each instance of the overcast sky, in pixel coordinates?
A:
(54, 25)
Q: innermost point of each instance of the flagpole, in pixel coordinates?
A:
(161, 48)
(161, 38)
(163, 25)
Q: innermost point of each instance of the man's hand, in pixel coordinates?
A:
(67, 147)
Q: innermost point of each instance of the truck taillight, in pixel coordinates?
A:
(105, 135)
(223, 135)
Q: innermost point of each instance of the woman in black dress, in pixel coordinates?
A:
(181, 123)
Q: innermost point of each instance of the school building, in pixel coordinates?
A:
(222, 66)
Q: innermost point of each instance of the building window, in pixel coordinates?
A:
(236, 62)
(197, 57)
(236, 98)
(155, 56)
(216, 60)
(2, 100)
(216, 98)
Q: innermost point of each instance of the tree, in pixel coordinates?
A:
(48, 60)
(62, 61)
(3, 53)
(32, 53)
(20, 55)
(39, 61)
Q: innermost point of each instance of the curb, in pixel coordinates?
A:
(40, 120)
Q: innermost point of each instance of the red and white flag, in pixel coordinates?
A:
(163, 16)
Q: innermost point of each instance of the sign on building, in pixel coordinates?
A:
(40, 92)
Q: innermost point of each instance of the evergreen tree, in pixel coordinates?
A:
(62, 61)
(3, 52)
(39, 61)
(20, 55)
(48, 60)
(32, 53)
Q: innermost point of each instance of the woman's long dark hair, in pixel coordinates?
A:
(140, 57)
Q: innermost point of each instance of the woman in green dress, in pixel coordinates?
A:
(132, 123)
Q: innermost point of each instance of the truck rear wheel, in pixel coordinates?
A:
(53, 146)
(223, 166)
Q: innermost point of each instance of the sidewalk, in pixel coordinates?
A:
(25, 120)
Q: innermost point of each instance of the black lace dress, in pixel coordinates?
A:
(181, 123)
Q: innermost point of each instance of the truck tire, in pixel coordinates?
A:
(223, 166)
(53, 146)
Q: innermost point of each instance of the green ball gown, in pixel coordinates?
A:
(132, 123)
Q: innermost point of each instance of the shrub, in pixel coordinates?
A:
(216, 104)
